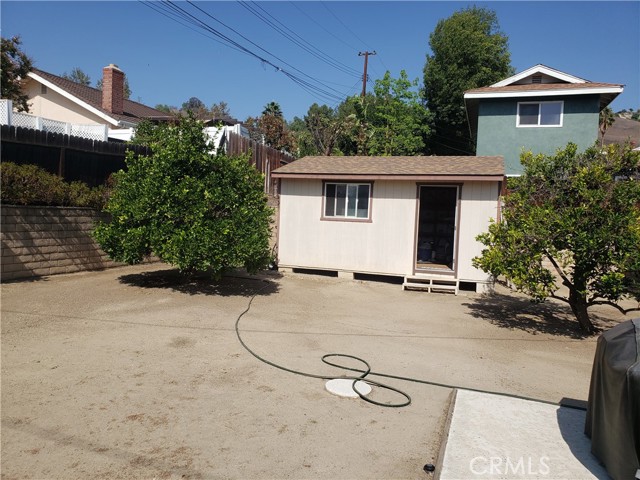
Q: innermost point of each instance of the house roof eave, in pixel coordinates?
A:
(543, 69)
(551, 92)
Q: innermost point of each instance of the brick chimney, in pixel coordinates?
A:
(113, 89)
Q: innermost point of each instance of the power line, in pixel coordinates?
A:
(355, 36)
(322, 26)
(312, 85)
(297, 39)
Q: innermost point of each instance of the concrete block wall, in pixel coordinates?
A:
(38, 241)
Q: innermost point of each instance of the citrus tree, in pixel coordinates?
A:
(191, 208)
(576, 215)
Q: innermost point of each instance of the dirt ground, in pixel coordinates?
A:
(136, 373)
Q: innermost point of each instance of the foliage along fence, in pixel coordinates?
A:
(92, 161)
(266, 159)
(73, 158)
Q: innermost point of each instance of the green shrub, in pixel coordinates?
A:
(198, 211)
(32, 185)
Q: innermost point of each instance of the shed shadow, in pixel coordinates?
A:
(237, 284)
(520, 313)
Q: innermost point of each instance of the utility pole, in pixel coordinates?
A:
(364, 78)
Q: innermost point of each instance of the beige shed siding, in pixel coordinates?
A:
(381, 246)
(479, 204)
(386, 244)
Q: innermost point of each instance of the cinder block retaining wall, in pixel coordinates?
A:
(39, 241)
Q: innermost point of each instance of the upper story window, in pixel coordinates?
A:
(540, 114)
(347, 200)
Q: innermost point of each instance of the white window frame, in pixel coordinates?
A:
(538, 125)
(346, 216)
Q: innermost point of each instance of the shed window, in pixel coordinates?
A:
(540, 114)
(347, 200)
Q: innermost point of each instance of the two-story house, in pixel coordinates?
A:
(540, 109)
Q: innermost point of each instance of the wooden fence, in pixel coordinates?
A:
(73, 158)
(92, 161)
(265, 159)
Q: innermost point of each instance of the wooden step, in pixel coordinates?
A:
(431, 284)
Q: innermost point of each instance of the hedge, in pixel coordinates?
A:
(32, 185)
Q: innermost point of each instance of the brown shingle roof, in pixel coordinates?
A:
(543, 87)
(416, 166)
(133, 112)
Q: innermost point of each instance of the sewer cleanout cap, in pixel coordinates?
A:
(343, 387)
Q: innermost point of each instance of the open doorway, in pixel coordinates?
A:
(437, 207)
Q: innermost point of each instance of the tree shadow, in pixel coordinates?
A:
(234, 284)
(520, 313)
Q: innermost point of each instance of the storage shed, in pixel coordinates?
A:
(411, 217)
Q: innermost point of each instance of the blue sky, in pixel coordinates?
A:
(168, 63)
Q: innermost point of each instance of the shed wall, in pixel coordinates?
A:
(386, 245)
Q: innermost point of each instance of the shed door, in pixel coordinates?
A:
(436, 232)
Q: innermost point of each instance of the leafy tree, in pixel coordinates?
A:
(468, 51)
(399, 120)
(15, 65)
(252, 125)
(272, 108)
(192, 209)
(579, 212)
(78, 76)
(167, 108)
(127, 89)
(276, 133)
(607, 118)
(303, 138)
(325, 125)
(196, 107)
(270, 128)
(220, 110)
(357, 133)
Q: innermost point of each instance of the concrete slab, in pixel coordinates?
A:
(498, 437)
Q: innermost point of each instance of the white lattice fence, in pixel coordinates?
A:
(94, 132)
(15, 119)
(54, 126)
(5, 112)
(24, 120)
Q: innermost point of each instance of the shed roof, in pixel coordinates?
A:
(489, 168)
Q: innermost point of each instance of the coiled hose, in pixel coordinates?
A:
(366, 372)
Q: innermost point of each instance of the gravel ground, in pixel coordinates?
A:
(136, 373)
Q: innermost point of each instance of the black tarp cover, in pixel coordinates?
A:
(613, 412)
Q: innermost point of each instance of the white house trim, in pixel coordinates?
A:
(74, 99)
(537, 69)
(546, 93)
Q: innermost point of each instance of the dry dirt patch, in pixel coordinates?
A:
(135, 372)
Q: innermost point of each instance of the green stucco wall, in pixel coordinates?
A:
(498, 134)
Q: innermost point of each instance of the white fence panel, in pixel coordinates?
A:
(5, 112)
(94, 132)
(24, 120)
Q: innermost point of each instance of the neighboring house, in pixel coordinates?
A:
(411, 217)
(540, 109)
(218, 130)
(57, 98)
